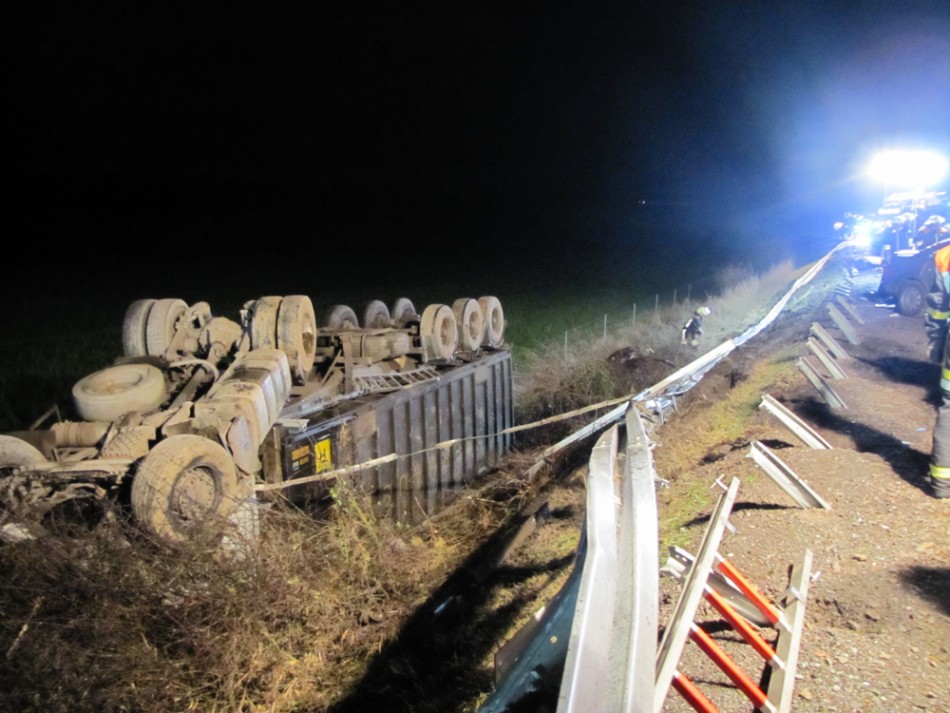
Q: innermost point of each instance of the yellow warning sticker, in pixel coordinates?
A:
(324, 456)
(299, 453)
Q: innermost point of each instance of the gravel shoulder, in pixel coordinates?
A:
(877, 632)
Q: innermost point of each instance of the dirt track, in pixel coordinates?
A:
(877, 633)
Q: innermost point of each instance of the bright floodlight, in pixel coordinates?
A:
(916, 169)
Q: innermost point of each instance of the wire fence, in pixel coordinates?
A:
(651, 322)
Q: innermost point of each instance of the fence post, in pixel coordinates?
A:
(565, 345)
(689, 289)
(656, 309)
(605, 329)
(634, 325)
(674, 296)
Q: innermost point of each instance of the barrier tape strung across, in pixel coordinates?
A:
(684, 378)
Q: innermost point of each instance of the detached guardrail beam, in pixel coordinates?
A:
(785, 477)
(826, 359)
(838, 317)
(828, 394)
(830, 342)
(794, 424)
(849, 308)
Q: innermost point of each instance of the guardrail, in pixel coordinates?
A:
(612, 649)
(610, 660)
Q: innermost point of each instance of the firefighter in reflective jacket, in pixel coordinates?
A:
(694, 327)
(936, 325)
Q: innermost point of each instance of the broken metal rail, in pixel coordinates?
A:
(610, 660)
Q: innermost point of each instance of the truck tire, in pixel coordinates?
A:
(133, 328)
(17, 453)
(471, 326)
(376, 315)
(342, 317)
(264, 322)
(911, 298)
(111, 393)
(297, 334)
(439, 331)
(183, 484)
(403, 312)
(160, 326)
(494, 318)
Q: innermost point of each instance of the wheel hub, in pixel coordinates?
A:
(194, 496)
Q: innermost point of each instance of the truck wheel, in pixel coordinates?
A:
(133, 328)
(494, 319)
(16, 453)
(468, 316)
(297, 334)
(264, 322)
(403, 312)
(376, 315)
(111, 393)
(184, 483)
(160, 326)
(911, 299)
(439, 331)
(342, 317)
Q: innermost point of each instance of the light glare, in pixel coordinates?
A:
(916, 169)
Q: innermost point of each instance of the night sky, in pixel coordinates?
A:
(447, 138)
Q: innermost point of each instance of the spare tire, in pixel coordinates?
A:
(111, 393)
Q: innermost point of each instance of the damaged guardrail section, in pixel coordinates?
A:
(612, 649)
(611, 659)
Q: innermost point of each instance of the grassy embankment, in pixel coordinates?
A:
(106, 620)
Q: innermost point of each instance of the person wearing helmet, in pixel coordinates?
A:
(693, 328)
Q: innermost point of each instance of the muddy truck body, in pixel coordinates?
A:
(202, 415)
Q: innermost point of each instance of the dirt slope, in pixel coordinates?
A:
(877, 634)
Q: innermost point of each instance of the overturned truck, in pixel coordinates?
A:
(202, 413)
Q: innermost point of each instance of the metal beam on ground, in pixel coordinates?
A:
(828, 394)
(826, 359)
(849, 308)
(838, 317)
(796, 425)
(785, 477)
(830, 342)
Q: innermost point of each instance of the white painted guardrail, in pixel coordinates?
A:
(612, 649)
(611, 657)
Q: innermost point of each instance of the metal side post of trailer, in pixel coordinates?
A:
(468, 406)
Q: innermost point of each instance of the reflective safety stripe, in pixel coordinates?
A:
(937, 315)
(940, 471)
(942, 260)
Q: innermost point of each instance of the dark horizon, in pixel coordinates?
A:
(445, 139)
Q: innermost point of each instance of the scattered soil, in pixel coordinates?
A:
(877, 632)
